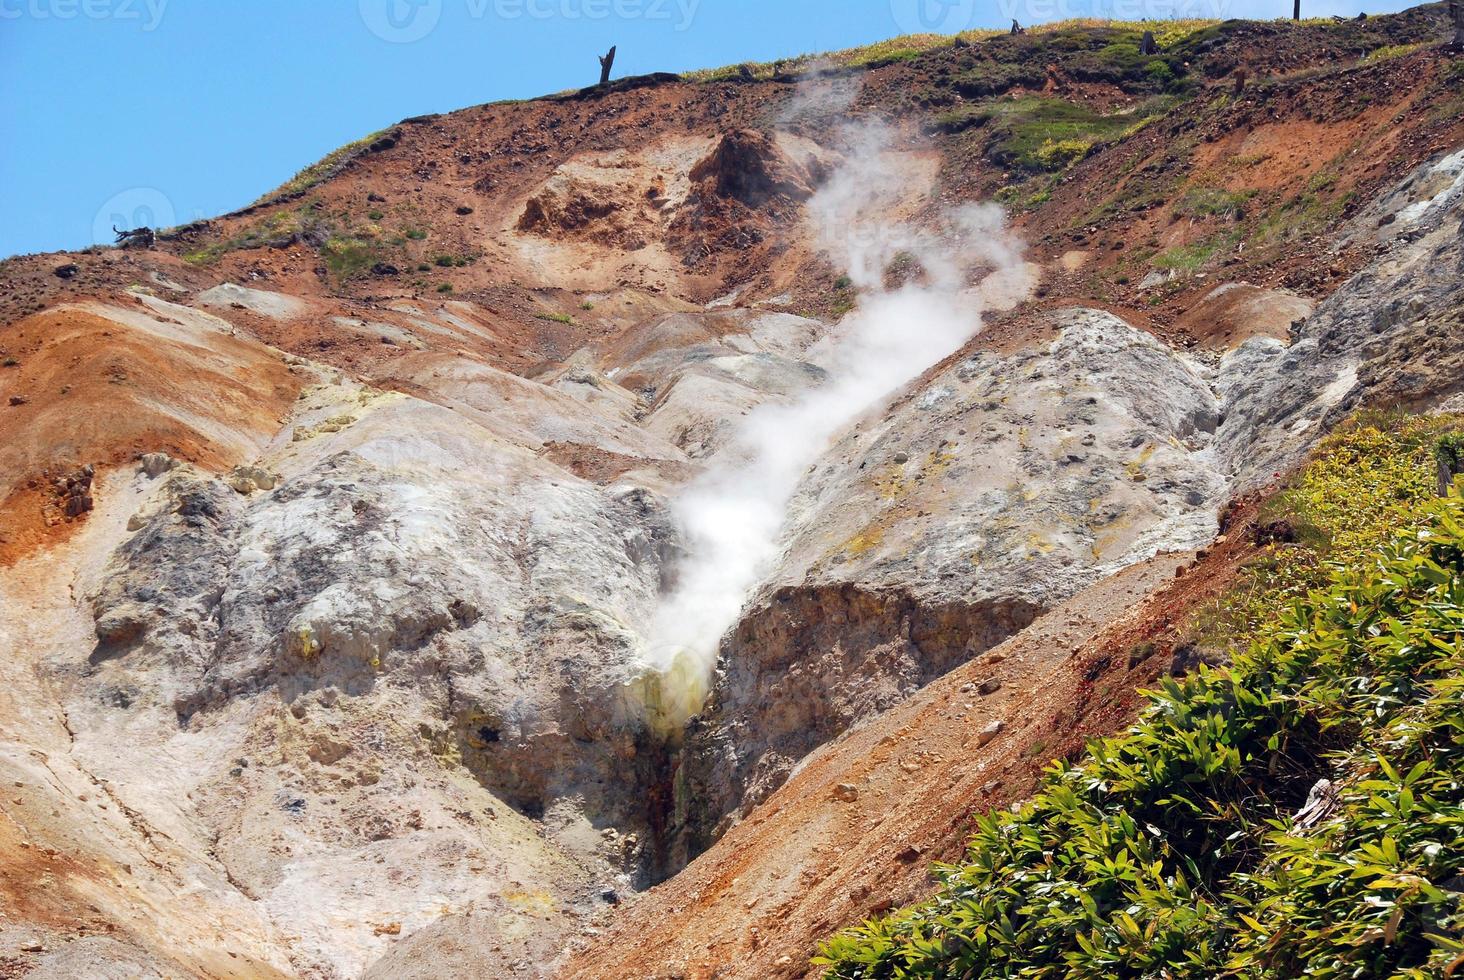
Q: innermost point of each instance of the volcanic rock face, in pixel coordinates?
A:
(338, 665)
(748, 166)
(996, 489)
(1387, 337)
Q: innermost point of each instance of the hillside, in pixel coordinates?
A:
(637, 531)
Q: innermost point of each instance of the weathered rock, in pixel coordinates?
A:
(156, 464)
(1388, 336)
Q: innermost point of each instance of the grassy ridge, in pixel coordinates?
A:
(1174, 851)
(910, 46)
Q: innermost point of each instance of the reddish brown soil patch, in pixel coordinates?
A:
(100, 393)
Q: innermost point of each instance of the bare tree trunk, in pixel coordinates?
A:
(609, 59)
(1296, 10)
(1456, 7)
(1147, 45)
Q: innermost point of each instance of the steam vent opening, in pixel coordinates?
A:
(647, 530)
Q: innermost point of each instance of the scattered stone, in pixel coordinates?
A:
(247, 479)
(1321, 800)
(989, 686)
(909, 855)
(17, 400)
(902, 458)
(846, 792)
(122, 624)
(67, 271)
(610, 896)
(75, 491)
(989, 732)
(384, 269)
(389, 929)
(464, 211)
(156, 464)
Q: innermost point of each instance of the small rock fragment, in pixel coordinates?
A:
(846, 792)
(989, 732)
(156, 464)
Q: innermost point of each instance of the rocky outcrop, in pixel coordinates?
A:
(748, 166)
(803, 666)
(1387, 338)
(994, 489)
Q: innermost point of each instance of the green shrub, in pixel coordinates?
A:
(1174, 850)
(348, 257)
(1201, 202)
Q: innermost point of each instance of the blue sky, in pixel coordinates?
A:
(163, 111)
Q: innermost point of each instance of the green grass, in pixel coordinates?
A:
(1186, 258)
(911, 46)
(1039, 134)
(1173, 850)
(555, 317)
(320, 170)
(275, 230)
(1205, 202)
(347, 257)
(1390, 51)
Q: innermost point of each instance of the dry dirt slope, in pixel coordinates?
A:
(347, 682)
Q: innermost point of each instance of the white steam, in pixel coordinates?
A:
(732, 515)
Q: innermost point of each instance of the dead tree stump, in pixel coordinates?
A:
(606, 60)
(1147, 45)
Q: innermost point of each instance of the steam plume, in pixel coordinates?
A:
(732, 514)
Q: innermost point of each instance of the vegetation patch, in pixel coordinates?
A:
(1299, 813)
(326, 167)
(1038, 134)
(1213, 202)
(277, 230)
(348, 256)
(1039, 40)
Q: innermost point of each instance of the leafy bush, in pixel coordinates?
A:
(1174, 849)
